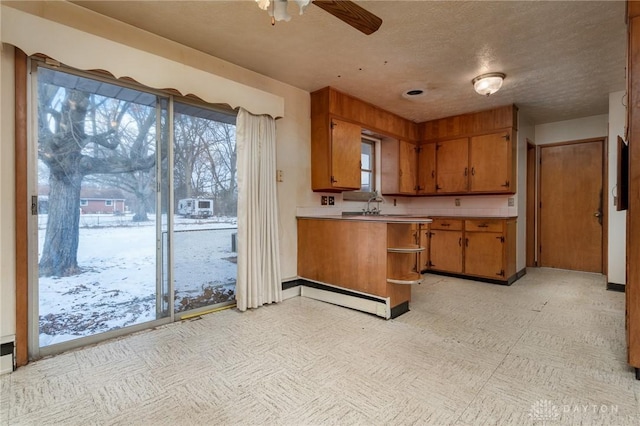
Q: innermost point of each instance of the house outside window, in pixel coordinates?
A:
(108, 203)
(84, 202)
(367, 167)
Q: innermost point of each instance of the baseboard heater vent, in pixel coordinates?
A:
(7, 357)
(364, 302)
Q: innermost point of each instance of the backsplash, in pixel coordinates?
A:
(476, 205)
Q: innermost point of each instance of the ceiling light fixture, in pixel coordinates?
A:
(488, 84)
(278, 9)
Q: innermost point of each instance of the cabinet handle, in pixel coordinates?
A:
(473, 171)
(466, 242)
(460, 241)
(445, 224)
(484, 225)
(466, 171)
(506, 184)
(433, 173)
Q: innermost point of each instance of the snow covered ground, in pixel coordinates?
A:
(117, 287)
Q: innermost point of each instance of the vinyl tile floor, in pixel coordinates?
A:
(550, 349)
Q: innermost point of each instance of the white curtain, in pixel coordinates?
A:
(259, 279)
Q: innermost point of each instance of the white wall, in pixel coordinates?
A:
(617, 220)
(526, 131)
(572, 130)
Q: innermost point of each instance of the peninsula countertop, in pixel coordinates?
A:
(391, 218)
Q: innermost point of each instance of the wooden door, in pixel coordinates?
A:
(408, 164)
(484, 254)
(571, 206)
(427, 169)
(345, 154)
(452, 160)
(446, 251)
(489, 158)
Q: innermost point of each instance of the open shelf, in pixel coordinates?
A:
(405, 280)
(415, 249)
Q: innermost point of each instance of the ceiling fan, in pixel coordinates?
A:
(347, 11)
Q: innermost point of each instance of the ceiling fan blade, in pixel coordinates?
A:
(352, 14)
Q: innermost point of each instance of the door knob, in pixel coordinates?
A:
(597, 214)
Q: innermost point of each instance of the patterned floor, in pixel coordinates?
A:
(548, 350)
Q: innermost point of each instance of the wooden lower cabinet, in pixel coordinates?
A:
(476, 247)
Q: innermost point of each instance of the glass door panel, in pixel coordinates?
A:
(98, 201)
(205, 214)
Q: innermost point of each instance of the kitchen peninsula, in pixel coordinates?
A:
(365, 262)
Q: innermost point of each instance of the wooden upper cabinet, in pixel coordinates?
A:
(452, 166)
(427, 169)
(345, 154)
(335, 155)
(408, 168)
(490, 160)
(399, 174)
(337, 121)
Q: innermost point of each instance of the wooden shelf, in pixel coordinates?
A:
(405, 281)
(405, 249)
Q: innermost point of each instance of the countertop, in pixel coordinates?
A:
(372, 218)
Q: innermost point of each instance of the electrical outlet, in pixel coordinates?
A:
(324, 200)
(332, 200)
(457, 201)
(395, 202)
(279, 176)
(511, 202)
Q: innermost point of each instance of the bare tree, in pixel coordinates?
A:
(73, 149)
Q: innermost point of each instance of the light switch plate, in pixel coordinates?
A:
(511, 202)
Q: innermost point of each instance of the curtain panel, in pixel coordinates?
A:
(259, 278)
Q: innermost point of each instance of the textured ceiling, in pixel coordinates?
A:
(561, 58)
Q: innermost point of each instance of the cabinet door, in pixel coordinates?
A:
(490, 161)
(452, 162)
(483, 254)
(407, 167)
(345, 154)
(427, 169)
(446, 251)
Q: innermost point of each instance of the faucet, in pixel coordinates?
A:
(376, 210)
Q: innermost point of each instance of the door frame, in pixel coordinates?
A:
(531, 210)
(605, 194)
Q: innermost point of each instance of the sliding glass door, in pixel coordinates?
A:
(134, 199)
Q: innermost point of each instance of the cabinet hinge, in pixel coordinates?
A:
(501, 239)
(506, 184)
(333, 180)
(332, 125)
(507, 137)
(501, 273)
(438, 187)
(438, 146)
(418, 149)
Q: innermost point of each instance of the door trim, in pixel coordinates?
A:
(605, 195)
(21, 211)
(531, 210)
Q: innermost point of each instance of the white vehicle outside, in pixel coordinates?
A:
(195, 207)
